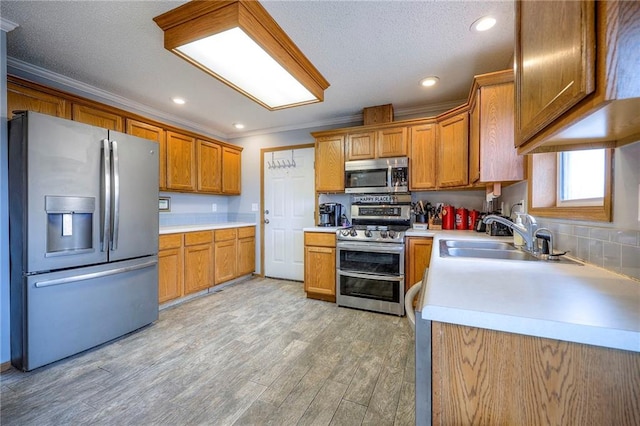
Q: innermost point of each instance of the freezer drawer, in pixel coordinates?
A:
(70, 311)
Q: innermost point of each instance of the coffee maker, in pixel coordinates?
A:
(329, 214)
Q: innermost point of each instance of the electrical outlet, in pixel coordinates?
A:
(214, 207)
(254, 207)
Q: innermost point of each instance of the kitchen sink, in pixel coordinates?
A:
(485, 253)
(473, 244)
(498, 250)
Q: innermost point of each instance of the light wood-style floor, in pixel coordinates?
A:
(255, 353)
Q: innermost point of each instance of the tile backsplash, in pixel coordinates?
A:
(617, 250)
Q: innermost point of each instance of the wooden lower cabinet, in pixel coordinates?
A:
(484, 376)
(198, 261)
(246, 250)
(194, 261)
(417, 257)
(320, 265)
(170, 267)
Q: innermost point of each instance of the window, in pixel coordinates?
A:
(571, 185)
(581, 178)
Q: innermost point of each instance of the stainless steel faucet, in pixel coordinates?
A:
(528, 234)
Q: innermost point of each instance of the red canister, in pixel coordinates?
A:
(462, 219)
(448, 217)
(473, 217)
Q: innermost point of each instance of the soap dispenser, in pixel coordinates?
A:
(518, 241)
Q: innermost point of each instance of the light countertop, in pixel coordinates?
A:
(576, 303)
(203, 227)
(325, 229)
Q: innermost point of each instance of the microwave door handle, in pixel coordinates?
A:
(106, 195)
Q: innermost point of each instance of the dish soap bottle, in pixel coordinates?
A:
(518, 241)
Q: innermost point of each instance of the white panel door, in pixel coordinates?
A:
(289, 193)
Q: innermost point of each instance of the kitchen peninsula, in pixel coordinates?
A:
(533, 341)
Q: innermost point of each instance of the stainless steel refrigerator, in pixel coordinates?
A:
(83, 219)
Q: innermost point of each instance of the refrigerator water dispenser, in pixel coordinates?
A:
(69, 224)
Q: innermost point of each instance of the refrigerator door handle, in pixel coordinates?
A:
(84, 277)
(116, 196)
(106, 195)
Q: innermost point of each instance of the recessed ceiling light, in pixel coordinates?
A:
(179, 101)
(483, 24)
(238, 126)
(429, 81)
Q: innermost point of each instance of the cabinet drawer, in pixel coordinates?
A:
(225, 234)
(168, 241)
(319, 239)
(246, 232)
(194, 238)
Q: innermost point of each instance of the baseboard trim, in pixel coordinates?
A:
(5, 366)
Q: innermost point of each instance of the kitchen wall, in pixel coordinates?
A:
(193, 209)
(468, 199)
(5, 349)
(251, 171)
(616, 245)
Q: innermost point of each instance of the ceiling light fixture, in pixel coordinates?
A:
(483, 24)
(429, 81)
(238, 126)
(239, 43)
(178, 101)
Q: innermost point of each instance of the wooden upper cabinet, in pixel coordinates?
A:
(97, 117)
(423, 156)
(361, 146)
(330, 164)
(20, 98)
(181, 162)
(492, 155)
(392, 142)
(209, 166)
(474, 138)
(453, 149)
(576, 74)
(231, 168)
(154, 133)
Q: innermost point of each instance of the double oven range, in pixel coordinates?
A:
(370, 254)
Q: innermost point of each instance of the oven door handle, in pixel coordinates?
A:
(393, 278)
(372, 247)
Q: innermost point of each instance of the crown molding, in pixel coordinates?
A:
(6, 25)
(353, 120)
(41, 75)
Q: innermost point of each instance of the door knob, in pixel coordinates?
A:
(266, 212)
(266, 221)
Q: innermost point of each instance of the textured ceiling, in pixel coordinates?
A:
(372, 53)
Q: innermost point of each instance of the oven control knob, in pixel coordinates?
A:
(384, 234)
(367, 233)
(344, 232)
(392, 234)
(353, 232)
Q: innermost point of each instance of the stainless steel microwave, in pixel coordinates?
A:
(383, 175)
